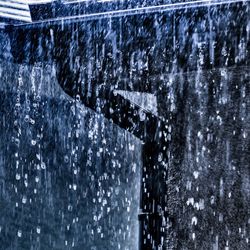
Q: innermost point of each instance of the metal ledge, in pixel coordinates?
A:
(51, 11)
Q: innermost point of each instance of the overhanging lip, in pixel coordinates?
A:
(50, 11)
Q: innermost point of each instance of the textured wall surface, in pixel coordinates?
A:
(195, 165)
(68, 177)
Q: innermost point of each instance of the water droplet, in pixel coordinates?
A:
(33, 142)
(43, 166)
(19, 233)
(24, 199)
(32, 121)
(193, 236)
(66, 159)
(196, 174)
(244, 135)
(194, 221)
(26, 119)
(18, 177)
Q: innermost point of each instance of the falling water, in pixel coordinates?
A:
(69, 178)
(136, 111)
